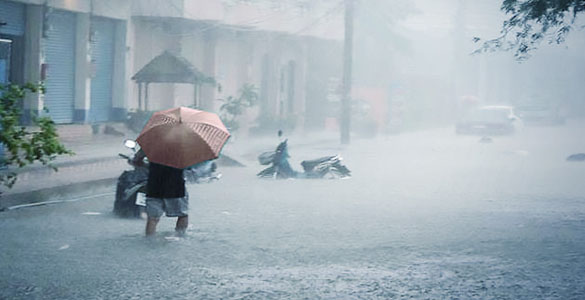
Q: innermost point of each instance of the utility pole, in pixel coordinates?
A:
(347, 63)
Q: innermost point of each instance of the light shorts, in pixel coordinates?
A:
(172, 207)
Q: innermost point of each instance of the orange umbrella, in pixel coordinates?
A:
(181, 137)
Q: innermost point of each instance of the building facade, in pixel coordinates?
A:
(86, 52)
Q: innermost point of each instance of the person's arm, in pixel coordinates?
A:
(138, 158)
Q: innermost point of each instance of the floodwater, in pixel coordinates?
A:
(426, 215)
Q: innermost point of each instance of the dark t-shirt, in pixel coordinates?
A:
(165, 182)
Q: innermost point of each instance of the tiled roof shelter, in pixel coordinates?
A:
(169, 68)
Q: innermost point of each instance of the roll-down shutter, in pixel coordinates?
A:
(59, 47)
(102, 56)
(12, 16)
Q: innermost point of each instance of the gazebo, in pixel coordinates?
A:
(169, 68)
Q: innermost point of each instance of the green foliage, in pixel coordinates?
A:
(25, 146)
(236, 106)
(531, 22)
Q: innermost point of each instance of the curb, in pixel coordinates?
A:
(56, 194)
(59, 192)
(78, 189)
(64, 164)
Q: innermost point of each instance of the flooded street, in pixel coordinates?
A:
(461, 122)
(426, 215)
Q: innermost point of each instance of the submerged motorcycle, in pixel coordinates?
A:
(131, 187)
(323, 167)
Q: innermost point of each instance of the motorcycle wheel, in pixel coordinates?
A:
(339, 172)
(266, 173)
(126, 208)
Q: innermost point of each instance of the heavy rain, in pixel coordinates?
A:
(331, 149)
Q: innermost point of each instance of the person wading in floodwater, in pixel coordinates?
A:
(165, 192)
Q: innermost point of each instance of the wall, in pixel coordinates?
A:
(116, 9)
(32, 59)
(82, 62)
(324, 63)
(151, 40)
(158, 8)
(122, 65)
(255, 15)
(232, 57)
(113, 9)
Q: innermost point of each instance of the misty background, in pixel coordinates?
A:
(420, 53)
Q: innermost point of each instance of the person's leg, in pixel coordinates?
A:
(182, 224)
(151, 226)
(179, 207)
(154, 210)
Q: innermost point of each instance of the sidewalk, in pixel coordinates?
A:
(96, 165)
(92, 167)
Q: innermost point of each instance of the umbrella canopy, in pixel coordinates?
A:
(181, 137)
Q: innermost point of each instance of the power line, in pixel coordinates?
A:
(248, 22)
(259, 20)
(315, 22)
(338, 7)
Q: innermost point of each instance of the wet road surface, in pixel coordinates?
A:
(426, 215)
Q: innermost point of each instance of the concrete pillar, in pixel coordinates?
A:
(120, 84)
(301, 88)
(273, 84)
(245, 57)
(33, 103)
(209, 54)
(132, 89)
(82, 69)
(270, 78)
(279, 79)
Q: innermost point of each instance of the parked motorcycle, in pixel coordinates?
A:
(130, 199)
(203, 172)
(131, 186)
(323, 167)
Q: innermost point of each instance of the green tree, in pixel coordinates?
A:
(531, 22)
(39, 143)
(235, 106)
